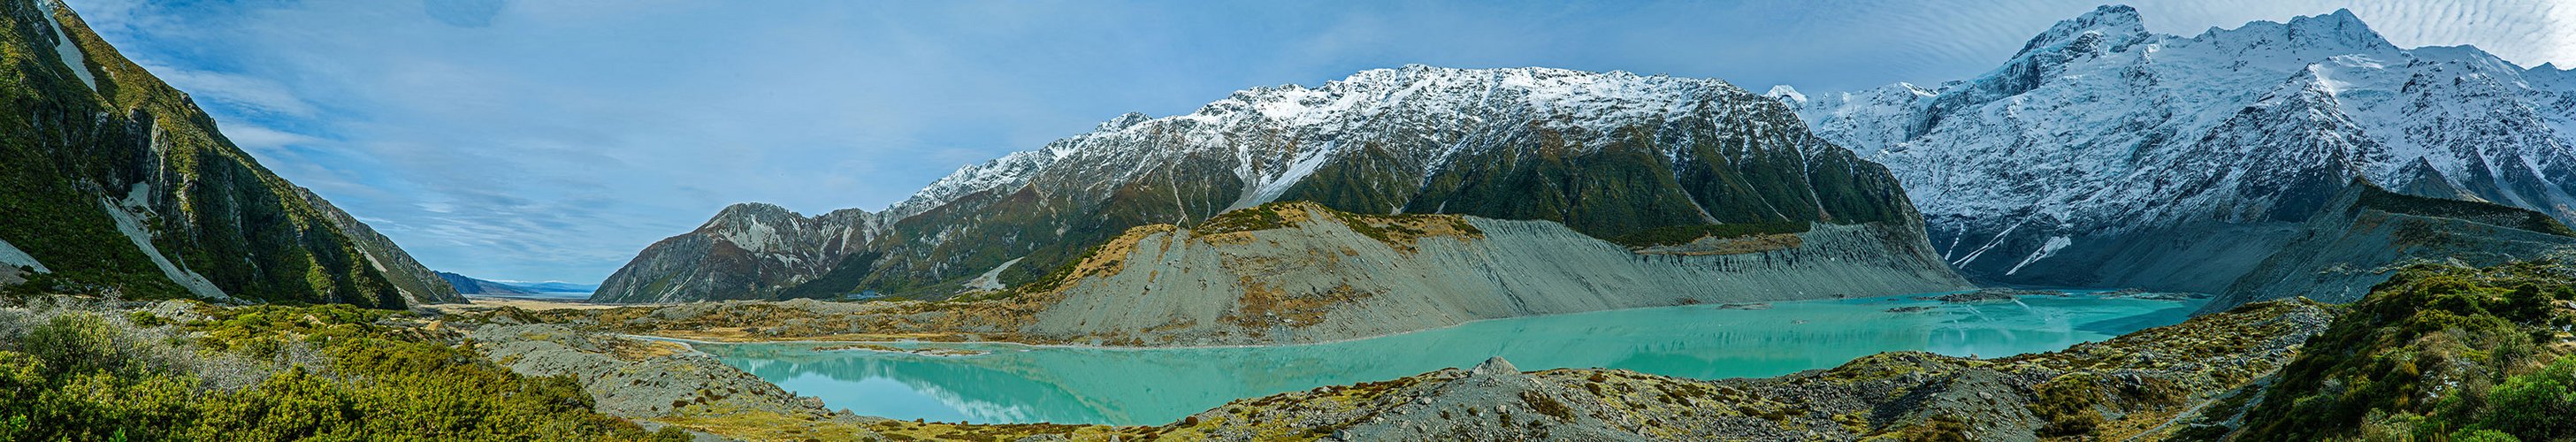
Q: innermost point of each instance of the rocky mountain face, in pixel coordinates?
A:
(1604, 154)
(2366, 233)
(749, 251)
(114, 181)
(1299, 272)
(2104, 155)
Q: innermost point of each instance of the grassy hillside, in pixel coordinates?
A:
(2437, 352)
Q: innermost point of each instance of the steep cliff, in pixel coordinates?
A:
(114, 181)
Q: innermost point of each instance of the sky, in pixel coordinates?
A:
(553, 139)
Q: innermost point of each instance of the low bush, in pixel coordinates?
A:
(70, 373)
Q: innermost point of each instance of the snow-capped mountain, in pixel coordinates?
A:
(2102, 154)
(1606, 154)
(748, 251)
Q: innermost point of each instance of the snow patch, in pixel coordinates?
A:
(992, 279)
(11, 256)
(70, 53)
(129, 220)
(1786, 93)
(1268, 189)
(1990, 245)
(2045, 250)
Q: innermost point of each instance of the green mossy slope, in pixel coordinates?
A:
(73, 152)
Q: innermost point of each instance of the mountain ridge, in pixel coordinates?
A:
(468, 285)
(1604, 153)
(117, 183)
(2098, 139)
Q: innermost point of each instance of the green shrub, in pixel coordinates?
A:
(85, 376)
(2540, 405)
(2068, 403)
(2483, 436)
(80, 343)
(2471, 329)
(1546, 405)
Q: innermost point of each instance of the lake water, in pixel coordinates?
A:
(1131, 386)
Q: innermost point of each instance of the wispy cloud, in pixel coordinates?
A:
(249, 94)
(550, 140)
(258, 138)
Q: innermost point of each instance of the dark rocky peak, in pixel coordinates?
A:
(844, 214)
(752, 212)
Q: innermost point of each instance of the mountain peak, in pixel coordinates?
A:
(2120, 21)
(2337, 32)
(1785, 93)
(2340, 26)
(1123, 121)
(755, 209)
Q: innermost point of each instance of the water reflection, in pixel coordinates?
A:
(1155, 386)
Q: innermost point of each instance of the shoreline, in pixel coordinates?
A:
(1903, 297)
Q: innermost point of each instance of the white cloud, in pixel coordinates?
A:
(254, 94)
(255, 137)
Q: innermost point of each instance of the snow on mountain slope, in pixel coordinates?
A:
(2095, 146)
(1606, 154)
(748, 251)
(1361, 107)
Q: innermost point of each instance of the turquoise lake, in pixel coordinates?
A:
(1153, 386)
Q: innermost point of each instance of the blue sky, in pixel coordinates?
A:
(551, 140)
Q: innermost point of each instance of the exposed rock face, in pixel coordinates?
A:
(1321, 275)
(749, 251)
(114, 180)
(2366, 234)
(2103, 155)
(1605, 154)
